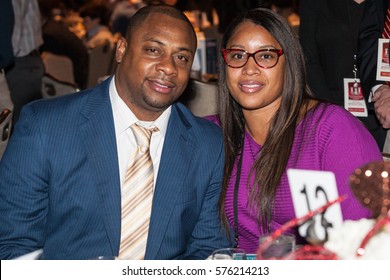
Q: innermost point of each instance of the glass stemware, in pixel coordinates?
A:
(229, 254)
(278, 247)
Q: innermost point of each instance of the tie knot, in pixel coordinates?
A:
(143, 135)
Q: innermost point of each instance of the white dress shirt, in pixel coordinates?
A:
(125, 140)
(27, 33)
(372, 92)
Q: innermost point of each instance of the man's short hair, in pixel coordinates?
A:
(140, 16)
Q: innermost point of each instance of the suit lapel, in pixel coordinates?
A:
(175, 161)
(98, 131)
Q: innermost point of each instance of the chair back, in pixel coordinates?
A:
(5, 129)
(58, 66)
(201, 98)
(100, 63)
(51, 87)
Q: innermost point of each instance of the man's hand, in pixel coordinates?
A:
(381, 101)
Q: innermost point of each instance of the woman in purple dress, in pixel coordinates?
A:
(271, 123)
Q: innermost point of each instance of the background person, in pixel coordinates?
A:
(6, 52)
(58, 39)
(376, 92)
(24, 78)
(329, 38)
(271, 122)
(95, 19)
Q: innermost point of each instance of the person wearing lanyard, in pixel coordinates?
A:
(328, 33)
(271, 122)
(377, 91)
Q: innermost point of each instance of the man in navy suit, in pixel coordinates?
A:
(61, 175)
(377, 92)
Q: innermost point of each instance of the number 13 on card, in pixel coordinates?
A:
(311, 190)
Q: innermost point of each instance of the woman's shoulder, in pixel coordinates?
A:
(328, 120)
(328, 113)
(332, 123)
(213, 118)
(336, 132)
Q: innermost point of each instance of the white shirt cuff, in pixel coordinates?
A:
(372, 92)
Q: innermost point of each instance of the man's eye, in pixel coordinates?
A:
(182, 58)
(151, 50)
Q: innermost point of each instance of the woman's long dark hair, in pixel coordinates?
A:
(272, 161)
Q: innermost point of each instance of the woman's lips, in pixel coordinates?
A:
(250, 86)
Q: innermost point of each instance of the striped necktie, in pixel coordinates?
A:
(386, 30)
(137, 196)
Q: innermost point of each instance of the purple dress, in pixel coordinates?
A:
(329, 139)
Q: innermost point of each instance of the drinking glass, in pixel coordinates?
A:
(278, 248)
(105, 258)
(229, 254)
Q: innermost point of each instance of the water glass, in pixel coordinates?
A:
(229, 254)
(105, 258)
(279, 247)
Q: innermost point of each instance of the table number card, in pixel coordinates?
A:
(311, 190)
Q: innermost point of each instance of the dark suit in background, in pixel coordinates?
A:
(329, 37)
(371, 29)
(328, 34)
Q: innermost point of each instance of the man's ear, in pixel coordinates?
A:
(121, 48)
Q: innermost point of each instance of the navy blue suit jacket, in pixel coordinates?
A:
(60, 186)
